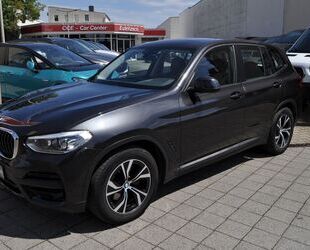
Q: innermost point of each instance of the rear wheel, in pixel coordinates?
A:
(281, 132)
(123, 186)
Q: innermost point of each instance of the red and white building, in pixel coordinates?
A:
(94, 26)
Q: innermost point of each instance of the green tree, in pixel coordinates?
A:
(19, 10)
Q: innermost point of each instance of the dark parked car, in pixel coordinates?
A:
(98, 47)
(158, 111)
(285, 41)
(76, 47)
(31, 66)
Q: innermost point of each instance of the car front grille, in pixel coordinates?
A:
(8, 143)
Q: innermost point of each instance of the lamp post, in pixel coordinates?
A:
(67, 14)
(2, 40)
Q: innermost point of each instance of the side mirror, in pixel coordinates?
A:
(206, 84)
(31, 65)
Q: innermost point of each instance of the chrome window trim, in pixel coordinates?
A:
(15, 146)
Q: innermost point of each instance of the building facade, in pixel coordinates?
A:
(239, 18)
(93, 26)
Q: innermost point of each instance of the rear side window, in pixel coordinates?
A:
(18, 57)
(277, 59)
(252, 61)
(268, 62)
(2, 55)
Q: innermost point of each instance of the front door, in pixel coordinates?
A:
(212, 121)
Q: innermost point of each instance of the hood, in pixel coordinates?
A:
(99, 57)
(70, 104)
(299, 59)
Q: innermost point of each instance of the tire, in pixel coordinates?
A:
(111, 190)
(278, 142)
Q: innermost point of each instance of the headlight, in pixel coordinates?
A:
(60, 143)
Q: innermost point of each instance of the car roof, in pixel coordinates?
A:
(196, 42)
(27, 44)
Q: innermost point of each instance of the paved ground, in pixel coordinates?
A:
(249, 201)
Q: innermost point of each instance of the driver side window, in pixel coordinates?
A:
(19, 57)
(219, 63)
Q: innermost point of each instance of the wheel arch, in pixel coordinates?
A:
(291, 104)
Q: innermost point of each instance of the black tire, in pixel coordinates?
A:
(101, 203)
(274, 146)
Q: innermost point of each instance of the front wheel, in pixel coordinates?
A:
(123, 186)
(281, 132)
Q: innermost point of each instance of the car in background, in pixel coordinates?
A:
(158, 111)
(299, 55)
(76, 47)
(285, 41)
(32, 66)
(98, 47)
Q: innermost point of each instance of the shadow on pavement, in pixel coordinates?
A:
(18, 219)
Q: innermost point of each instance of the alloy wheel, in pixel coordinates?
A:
(283, 131)
(128, 186)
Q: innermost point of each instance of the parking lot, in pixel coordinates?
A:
(249, 201)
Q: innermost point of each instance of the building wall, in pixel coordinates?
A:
(75, 16)
(296, 15)
(172, 27)
(264, 18)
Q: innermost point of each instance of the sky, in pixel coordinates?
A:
(150, 13)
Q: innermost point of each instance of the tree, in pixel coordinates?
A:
(19, 10)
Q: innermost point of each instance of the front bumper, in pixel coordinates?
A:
(58, 182)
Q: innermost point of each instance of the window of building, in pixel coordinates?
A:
(87, 18)
(252, 62)
(56, 18)
(219, 63)
(66, 18)
(77, 18)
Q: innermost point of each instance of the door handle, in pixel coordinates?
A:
(277, 84)
(236, 95)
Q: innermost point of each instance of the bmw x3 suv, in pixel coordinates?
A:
(159, 111)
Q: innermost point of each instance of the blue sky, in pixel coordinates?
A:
(147, 12)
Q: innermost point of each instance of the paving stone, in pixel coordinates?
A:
(272, 226)
(177, 242)
(247, 246)
(245, 217)
(255, 207)
(194, 232)
(211, 194)
(262, 239)
(133, 226)
(251, 184)
(259, 178)
(111, 237)
(302, 221)
(300, 188)
(264, 198)
(47, 246)
(303, 180)
(153, 234)
(276, 182)
(286, 244)
(199, 202)
(3, 247)
(132, 243)
(305, 210)
(290, 205)
(285, 177)
(298, 234)
(165, 204)
(221, 209)
(222, 187)
(179, 196)
(170, 222)
(232, 200)
(295, 196)
(25, 241)
(151, 214)
(271, 190)
(234, 229)
(209, 220)
(185, 211)
(242, 192)
(192, 189)
(220, 241)
(281, 215)
(89, 244)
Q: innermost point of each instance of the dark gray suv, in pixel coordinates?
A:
(158, 111)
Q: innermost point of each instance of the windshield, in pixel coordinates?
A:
(59, 56)
(147, 67)
(303, 44)
(74, 46)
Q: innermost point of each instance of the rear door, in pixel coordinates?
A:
(262, 88)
